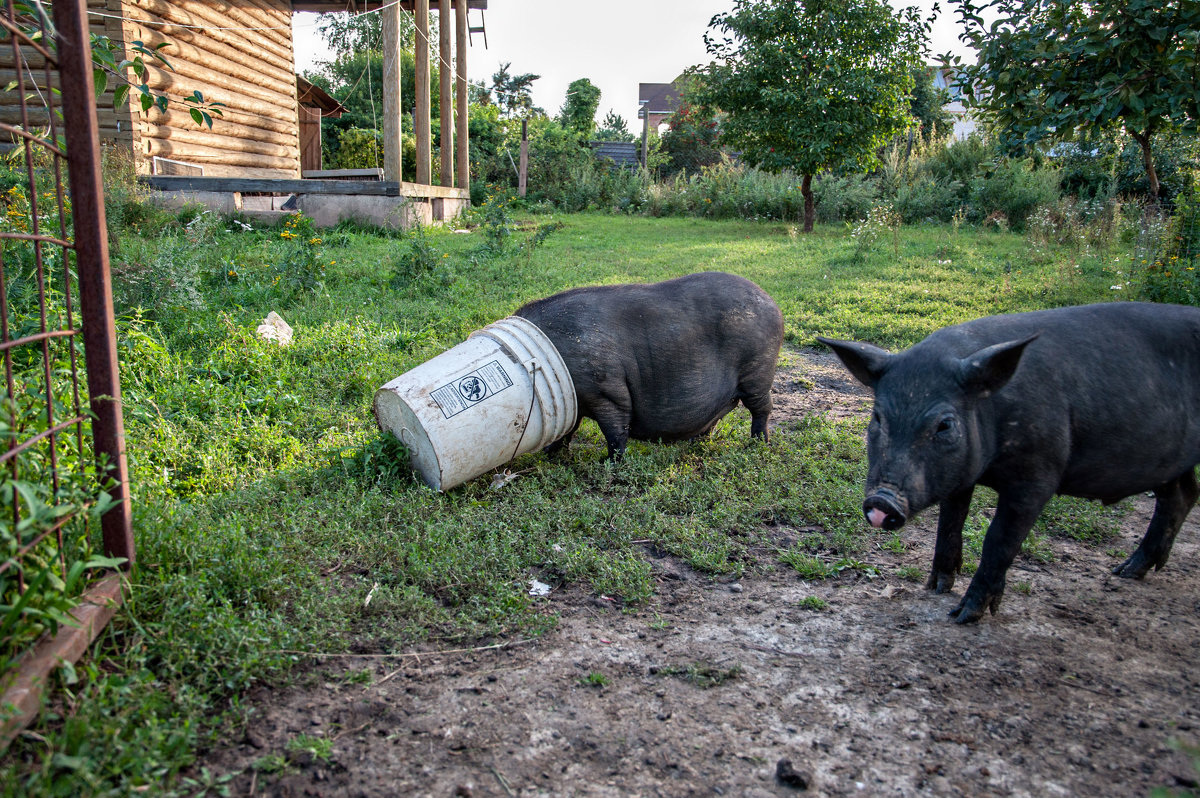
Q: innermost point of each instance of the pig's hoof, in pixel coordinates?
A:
(1135, 567)
(967, 611)
(940, 582)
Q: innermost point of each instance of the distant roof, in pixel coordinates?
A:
(658, 98)
(316, 97)
(361, 5)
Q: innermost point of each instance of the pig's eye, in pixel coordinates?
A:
(947, 428)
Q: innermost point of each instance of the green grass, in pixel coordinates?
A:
(268, 506)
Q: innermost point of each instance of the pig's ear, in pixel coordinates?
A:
(992, 367)
(867, 363)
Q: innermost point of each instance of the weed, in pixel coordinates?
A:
(813, 603)
(808, 566)
(895, 544)
(702, 675)
(320, 749)
(1024, 588)
(272, 763)
(881, 220)
(421, 262)
(594, 679)
(911, 573)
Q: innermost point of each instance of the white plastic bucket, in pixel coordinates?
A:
(501, 393)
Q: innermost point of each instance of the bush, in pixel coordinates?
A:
(1013, 190)
(961, 160)
(928, 199)
(1173, 254)
(844, 199)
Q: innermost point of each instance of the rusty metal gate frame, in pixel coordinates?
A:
(94, 326)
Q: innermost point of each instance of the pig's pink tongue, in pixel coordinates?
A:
(876, 517)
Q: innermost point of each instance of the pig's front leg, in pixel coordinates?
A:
(947, 552)
(1016, 510)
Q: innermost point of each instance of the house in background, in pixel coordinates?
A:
(946, 78)
(658, 101)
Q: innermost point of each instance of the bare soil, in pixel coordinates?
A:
(1076, 687)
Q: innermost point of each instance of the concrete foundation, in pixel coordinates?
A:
(327, 203)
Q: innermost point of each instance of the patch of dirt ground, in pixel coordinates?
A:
(1076, 688)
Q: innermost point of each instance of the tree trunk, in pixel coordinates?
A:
(810, 206)
(1143, 140)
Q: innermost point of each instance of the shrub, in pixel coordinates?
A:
(1015, 190)
(844, 199)
(1171, 252)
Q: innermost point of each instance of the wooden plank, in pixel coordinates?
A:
(23, 692)
(378, 188)
(310, 139)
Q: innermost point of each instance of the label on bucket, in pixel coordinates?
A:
(471, 389)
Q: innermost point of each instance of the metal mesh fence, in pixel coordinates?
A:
(64, 509)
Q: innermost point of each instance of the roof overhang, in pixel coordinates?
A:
(316, 97)
(358, 6)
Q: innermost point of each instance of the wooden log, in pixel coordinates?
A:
(181, 52)
(231, 83)
(206, 138)
(392, 145)
(461, 102)
(203, 155)
(251, 125)
(177, 88)
(256, 30)
(213, 24)
(421, 71)
(217, 43)
(271, 27)
(446, 84)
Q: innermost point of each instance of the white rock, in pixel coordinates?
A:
(274, 328)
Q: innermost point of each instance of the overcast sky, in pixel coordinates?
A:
(616, 44)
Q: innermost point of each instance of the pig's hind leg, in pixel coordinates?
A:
(613, 411)
(756, 396)
(1172, 504)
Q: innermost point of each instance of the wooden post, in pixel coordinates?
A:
(460, 71)
(645, 133)
(445, 83)
(421, 121)
(523, 176)
(392, 146)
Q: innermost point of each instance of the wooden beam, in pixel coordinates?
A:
(392, 146)
(460, 117)
(22, 690)
(251, 185)
(446, 84)
(421, 120)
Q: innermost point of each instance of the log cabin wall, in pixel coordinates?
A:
(237, 52)
(114, 126)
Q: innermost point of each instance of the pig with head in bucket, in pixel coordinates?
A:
(665, 361)
(1098, 401)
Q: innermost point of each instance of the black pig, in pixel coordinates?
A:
(1099, 401)
(665, 361)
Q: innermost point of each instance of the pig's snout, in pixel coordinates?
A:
(883, 510)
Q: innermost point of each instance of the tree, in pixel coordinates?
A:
(690, 143)
(579, 110)
(928, 107)
(513, 93)
(811, 85)
(614, 128)
(1051, 69)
